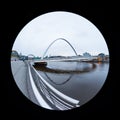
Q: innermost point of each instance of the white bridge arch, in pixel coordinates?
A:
(57, 40)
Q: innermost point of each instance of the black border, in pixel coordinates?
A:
(18, 14)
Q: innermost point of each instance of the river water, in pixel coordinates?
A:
(78, 80)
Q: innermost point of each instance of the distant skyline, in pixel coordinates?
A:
(39, 33)
(48, 55)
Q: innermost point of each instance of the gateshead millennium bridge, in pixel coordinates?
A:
(37, 89)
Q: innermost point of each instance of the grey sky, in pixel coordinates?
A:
(37, 35)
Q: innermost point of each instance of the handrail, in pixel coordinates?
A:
(36, 92)
(55, 97)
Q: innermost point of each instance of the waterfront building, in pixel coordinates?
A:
(14, 55)
(86, 54)
(103, 58)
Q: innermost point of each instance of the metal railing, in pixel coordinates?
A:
(54, 98)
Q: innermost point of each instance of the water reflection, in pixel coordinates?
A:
(55, 82)
(64, 71)
(67, 67)
(79, 80)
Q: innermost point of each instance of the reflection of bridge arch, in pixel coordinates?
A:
(47, 70)
(57, 40)
(69, 78)
(59, 71)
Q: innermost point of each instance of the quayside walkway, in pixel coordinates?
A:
(21, 77)
(38, 90)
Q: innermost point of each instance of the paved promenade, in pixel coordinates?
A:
(38, 90)
(21, 77)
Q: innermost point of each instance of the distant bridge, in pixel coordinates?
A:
(48, 96)
(58, 40)
(77, 59)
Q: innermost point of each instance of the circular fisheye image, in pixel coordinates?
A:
(60, 60)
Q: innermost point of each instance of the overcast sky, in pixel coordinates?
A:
(39, 33)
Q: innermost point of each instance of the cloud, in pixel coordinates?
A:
(37, 35)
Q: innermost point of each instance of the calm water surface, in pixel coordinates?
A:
(78, 80)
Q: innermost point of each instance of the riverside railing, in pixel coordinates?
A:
(50, 96)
